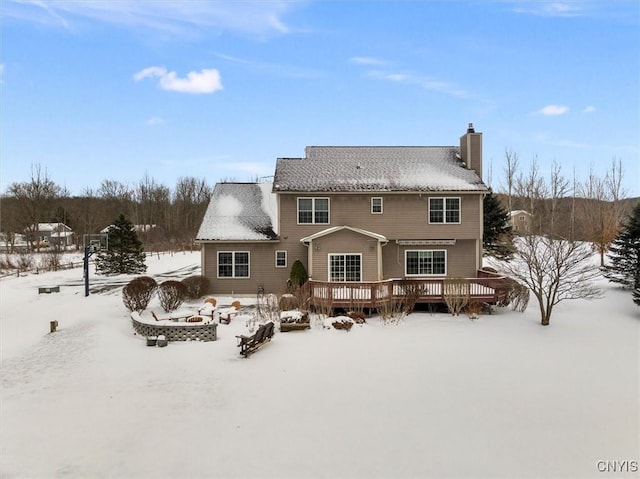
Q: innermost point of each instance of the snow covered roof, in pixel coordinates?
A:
(519, 212)
(376, 168)
(55, 227)
(240, 212)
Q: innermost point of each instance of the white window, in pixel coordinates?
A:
(313, 211)
(376, 206)
(281, 259)
(425, 263)
(444, 210)
(233, 264)
(345, 267)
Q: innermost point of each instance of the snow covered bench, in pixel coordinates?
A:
(294, 321)
(250, 344)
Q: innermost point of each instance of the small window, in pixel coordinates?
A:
(281, 259)
(521, 217)
(233, 264)
(313, 211)
(376, 206)
(444, 210)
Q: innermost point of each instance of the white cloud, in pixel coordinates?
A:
(150, 72)
(204, 81)
(155, 120)
(424, 82)
(589, 109)
(551, 9)
(553, 110)
(367, 61)
(258, 18)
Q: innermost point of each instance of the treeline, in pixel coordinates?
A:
(175, 213)
(590, 209)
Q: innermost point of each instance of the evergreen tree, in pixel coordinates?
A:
(636, 290)
(125, 254)
(497, 239)
(624, 254)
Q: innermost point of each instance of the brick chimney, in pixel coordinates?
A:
(471, 150)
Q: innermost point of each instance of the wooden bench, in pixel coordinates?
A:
(250, 344)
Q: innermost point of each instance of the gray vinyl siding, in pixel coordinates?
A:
(262, 268)
(405, 216)
(461, 259)
(344, 242)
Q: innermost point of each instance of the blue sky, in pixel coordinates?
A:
(116, 90)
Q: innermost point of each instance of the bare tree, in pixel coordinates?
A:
(602, 208)
(558, 189)
(532, 187)
(554, 270)
(510, 172)
(36, 197)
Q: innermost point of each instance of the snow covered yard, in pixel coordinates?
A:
(434, 396)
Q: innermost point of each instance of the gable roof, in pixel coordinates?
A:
(335, 229)
(240, 212)
(376, 168)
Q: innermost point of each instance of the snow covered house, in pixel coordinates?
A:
(57, 234)
(521, 221)
(356, 215)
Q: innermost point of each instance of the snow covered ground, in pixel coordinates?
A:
(433, 396)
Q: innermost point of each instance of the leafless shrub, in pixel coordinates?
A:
(392, 311)
(456, 294)
(518, 296)
(473, 309)
(288, 302)
(196, 286)
(267, 308)
(171, 294)
(137, 294)
(24, 262)
(51, 261)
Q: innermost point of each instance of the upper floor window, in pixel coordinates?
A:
(444, 210)
(426, 263)
(233, 264)
(521, 217)
(281, 259)
(313, 211)
(376, 206)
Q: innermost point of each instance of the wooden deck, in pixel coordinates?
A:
(486, 288)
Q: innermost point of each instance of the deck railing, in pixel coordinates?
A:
(487, 288)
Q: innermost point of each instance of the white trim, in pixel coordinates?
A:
(233, 265)
(329, 255)
(334, 229)
(444, 210)
(417, 275)
(439, 242)
(313, 209)
(285, 258)
(381, 205)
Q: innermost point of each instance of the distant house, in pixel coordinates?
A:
(55, 234)
(521, 221)
(351, 215)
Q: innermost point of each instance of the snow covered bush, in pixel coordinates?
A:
(196, 286)
(171, 294)
(137, 294)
